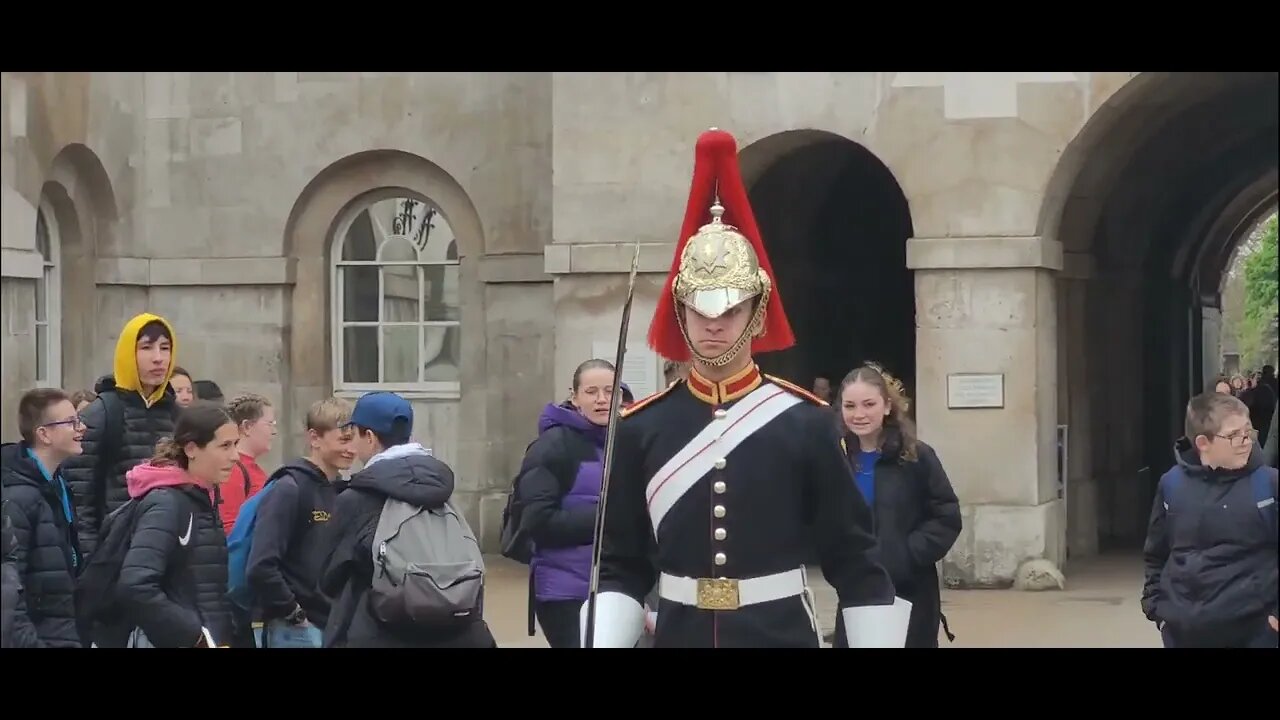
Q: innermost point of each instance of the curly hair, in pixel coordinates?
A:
(247, 408)
(900, 430)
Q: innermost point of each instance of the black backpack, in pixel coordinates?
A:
(97, 607)
(574, 449)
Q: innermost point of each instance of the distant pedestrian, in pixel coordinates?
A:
(208, 390)
(183, 387)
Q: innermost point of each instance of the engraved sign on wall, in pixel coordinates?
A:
(639, 368)
(975, 390)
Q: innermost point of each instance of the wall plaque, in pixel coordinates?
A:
(975, 390)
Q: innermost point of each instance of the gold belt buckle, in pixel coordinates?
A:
(717, 594)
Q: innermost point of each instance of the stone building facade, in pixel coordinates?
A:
(463, 238)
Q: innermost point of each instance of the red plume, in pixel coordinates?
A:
(716, 159)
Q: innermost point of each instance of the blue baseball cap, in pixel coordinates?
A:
(378, 411)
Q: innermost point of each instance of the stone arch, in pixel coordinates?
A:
(309, 238)
(1148, 201)
(826, 203)
(79, 193)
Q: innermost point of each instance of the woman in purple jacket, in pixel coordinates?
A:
(560, 488)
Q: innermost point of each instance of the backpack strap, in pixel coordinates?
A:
(244, 472)
(1264, 495)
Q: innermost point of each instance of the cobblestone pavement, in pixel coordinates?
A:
(1099, 608)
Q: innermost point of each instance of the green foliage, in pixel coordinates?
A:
(1261, 300)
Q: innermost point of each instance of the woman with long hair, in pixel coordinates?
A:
(915, 510)
(173, 581)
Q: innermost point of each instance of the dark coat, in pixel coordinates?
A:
(16, 630)
(917, 520)
(45, 547)
(173, 580)
(412, 477)
(97, 475)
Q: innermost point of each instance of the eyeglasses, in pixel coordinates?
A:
(1238, 438)
(74, 422)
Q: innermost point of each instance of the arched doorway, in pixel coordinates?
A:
(1149, 201)
(835, 224)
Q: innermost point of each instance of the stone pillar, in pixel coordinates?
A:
(1075, 402)
(1210, 343)
(988, 306)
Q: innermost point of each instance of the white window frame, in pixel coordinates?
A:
(51, 277)
(428, 390)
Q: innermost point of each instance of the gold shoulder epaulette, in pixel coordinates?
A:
(645, 401)
(797, 390)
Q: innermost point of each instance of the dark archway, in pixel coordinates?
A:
(1151, 197)
(835, 224)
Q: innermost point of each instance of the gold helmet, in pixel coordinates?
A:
(719, 264)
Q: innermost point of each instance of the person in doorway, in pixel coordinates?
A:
(1210, 551)
(726, 483)
(46, 547)
(82, 398)
(183, 388)
(673, 371)
(135, 408)
(559, 489)
(822, 388)
(394, 466)
(1220, 385)
(915, 509)
(208, 390)
(256, 421)
(173, 580)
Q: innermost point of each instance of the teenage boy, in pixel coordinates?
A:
(284, 562)
(1210, 554)
(135, 407)
(38, 505)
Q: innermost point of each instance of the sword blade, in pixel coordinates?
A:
(611, 434)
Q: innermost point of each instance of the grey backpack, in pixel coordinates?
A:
(427, 568)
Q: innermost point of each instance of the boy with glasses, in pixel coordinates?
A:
(39, 508)
(1210, 553)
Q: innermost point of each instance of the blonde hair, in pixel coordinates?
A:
(328, 414)
(895, 395)
(247, 408)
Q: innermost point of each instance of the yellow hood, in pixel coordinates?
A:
(126, 362)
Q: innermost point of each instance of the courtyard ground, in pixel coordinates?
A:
(1098, 608)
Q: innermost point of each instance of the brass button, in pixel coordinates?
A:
(718, 511)
(721, 463)
(719, 487)
(719, 414)
(721, 533)
(721, 559)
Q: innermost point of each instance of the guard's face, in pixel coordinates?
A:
(712, 337)
(863, 408)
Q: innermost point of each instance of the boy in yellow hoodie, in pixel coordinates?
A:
(135, 407)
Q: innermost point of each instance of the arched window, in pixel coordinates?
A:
(48, 316)
(395, 298)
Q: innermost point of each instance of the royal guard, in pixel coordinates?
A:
(725, 483)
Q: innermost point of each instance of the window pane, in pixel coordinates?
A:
(440, 292)
(400, 354)
(42, 238)
(441, 350)
(400, 293)
(359, 243)
(42, 298)
(360, 354)
(42, 352)
(359, 293)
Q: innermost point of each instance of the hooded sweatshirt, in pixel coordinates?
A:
(404, 472)
(97, 476)
(173, 580)
(1210, 553)
(560, 488)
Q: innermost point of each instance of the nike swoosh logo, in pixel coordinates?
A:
(183, 540)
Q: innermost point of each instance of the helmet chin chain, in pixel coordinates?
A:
(754, 329)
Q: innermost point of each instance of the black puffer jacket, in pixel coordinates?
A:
(44, 547)
(97, 475)
(408, 474)
(173, 580)
(16, 630)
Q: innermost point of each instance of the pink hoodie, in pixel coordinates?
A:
(145, 477)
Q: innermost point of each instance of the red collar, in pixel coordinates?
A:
(732, 388)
